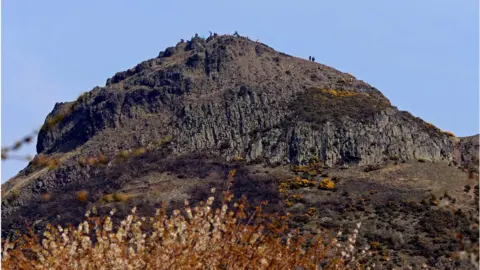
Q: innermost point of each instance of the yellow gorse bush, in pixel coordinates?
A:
(339, 93)
(431, 126)
(327, 184)
(300, 183)
(238, 158)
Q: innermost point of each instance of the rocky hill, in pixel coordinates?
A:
(208, 105)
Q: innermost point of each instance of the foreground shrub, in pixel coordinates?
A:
(197, 238)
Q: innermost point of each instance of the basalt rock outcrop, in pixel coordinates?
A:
(236, 97)
(206, 102)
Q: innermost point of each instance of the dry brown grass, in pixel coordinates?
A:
(450, 134)
(338, 93)
(228, 237)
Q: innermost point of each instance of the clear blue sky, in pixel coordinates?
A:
(423, 55)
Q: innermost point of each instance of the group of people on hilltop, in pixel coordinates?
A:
(237, 35)
(213, 35)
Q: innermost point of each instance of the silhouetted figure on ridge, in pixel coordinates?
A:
(236, 34)
(313, 59)
(210, 33)
(309, 58)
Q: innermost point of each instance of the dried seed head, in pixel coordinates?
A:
(210, 200)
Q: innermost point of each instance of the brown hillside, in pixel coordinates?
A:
(173, 126)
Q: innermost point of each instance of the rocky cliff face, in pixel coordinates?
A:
(236, 97)
(466, 152)
(203, 105)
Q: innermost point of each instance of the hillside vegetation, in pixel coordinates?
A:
(329, 152)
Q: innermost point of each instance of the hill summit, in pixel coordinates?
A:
(235, 97)
(187, 116)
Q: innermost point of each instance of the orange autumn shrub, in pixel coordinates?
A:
(195, 238)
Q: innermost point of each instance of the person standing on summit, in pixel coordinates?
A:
(313, 59)
(309, 58)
